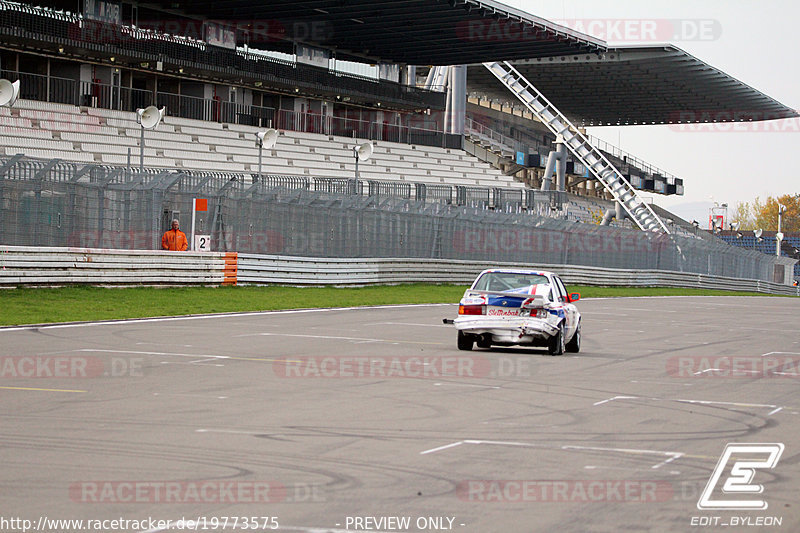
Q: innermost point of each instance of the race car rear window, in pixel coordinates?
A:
(508, 281)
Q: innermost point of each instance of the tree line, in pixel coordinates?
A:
(763, 215)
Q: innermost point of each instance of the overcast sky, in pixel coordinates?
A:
(754, 41)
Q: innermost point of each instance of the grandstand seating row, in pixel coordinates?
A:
(94, 135)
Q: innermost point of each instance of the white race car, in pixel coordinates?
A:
(509, 307)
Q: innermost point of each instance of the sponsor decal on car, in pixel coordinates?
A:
(500, 311)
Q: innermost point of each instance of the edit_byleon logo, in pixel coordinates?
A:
(745, 460)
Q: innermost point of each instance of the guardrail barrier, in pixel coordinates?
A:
(33, 266)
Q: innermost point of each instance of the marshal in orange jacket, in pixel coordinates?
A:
(174, 239)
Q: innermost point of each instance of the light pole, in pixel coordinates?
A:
(779, 235)
(9, 92)
(266, 139)
(148, 118)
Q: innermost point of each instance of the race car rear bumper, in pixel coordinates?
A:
(520, 330)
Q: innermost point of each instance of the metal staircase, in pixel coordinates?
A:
(595, 161)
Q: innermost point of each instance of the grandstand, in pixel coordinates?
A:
(330, 76)
(766, 244)
(102, 136)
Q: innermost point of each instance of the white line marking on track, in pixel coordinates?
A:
(616, 398)
(409, 324)
(466, 385)
(672, 455)
(208, 356)
(737, 404)
(480, 442)
(699, 402)
(499, 443)
(215, 315)
(733, 373)
(193, 363)
(440, 448)
(776, 410)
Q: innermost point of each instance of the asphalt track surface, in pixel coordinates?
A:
(621, 437)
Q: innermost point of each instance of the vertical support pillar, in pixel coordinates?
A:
(561, 164)
(411, 75)
(457, 99)
(448, 102)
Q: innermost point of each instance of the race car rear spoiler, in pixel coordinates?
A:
(536, 298)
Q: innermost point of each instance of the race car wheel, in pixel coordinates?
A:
(465, 341)
(485, 341)
(556, 343)
(574, 344)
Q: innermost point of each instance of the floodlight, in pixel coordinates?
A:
(9, 92)
(758, 232)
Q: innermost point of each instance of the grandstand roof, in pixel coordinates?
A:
(658, 84)
(416, 32)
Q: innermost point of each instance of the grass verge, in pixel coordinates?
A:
(70, 304)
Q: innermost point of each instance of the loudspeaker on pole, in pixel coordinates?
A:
(151, 116)
(9, 92)
(268, 138)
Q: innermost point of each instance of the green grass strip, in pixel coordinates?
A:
(84, 303)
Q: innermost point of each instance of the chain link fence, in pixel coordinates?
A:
(53, 203)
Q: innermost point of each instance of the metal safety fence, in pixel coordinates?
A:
(53, 203)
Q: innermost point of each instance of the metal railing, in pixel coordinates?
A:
(106, 96)
(630, 159)
(493, 139)
(508, 147)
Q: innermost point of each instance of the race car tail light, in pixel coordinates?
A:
(471, 309)
(534, 313)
